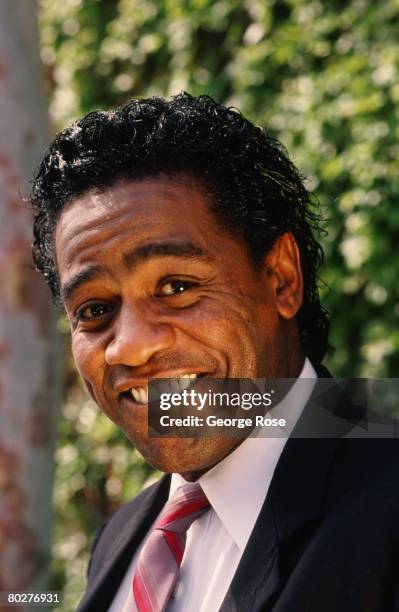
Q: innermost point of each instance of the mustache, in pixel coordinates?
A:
(159, 363)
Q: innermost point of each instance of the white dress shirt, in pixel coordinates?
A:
(236, 489)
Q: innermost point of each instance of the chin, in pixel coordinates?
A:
(185, 455)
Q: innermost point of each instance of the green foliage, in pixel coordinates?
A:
(322, 77)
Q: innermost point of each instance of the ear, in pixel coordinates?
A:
(283, 266)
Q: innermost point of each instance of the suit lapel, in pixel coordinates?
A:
(258, 566)
(103, 587)
(293, 505)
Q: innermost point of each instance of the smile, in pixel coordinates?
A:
(140, 394)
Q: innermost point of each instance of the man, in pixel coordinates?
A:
(179, 239)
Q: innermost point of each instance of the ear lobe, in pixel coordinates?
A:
(283, 266)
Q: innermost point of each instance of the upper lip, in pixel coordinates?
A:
(134, 383)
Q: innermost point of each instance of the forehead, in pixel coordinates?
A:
(135, 213)
(149, 200)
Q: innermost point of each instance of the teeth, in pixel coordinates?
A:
(184, 382)
(135, 394)
(143, 395)
(140, 394)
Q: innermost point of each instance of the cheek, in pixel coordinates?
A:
(232, 326)
(210, 321)
(88, 354)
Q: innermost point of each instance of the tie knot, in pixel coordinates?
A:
(184, 507)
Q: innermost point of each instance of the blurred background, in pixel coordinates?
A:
(323, 77)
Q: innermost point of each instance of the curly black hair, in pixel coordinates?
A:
(254, 187)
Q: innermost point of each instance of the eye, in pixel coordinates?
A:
(93, 311)
(175, 287)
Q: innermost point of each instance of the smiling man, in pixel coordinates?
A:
(179, 239)
(149, 287)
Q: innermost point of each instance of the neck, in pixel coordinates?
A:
(291, 369)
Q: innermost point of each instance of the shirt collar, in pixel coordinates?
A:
(237, 486)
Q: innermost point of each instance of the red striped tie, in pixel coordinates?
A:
(159, 561)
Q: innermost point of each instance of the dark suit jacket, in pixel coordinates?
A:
(326, 539)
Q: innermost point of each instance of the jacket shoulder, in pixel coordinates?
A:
(366, 469)
(111, 528)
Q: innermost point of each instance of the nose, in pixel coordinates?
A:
(137, 337)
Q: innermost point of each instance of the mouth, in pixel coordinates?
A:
(179, 383)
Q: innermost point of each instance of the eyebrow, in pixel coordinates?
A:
(91, 273)
(143, 253)
(132, 259)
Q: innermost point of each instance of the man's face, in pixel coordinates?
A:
(155, 288)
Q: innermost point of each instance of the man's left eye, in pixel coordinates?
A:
(175, 287)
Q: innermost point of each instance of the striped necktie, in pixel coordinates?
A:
(159, 561)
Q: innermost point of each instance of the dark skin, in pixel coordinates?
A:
(154, 287)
